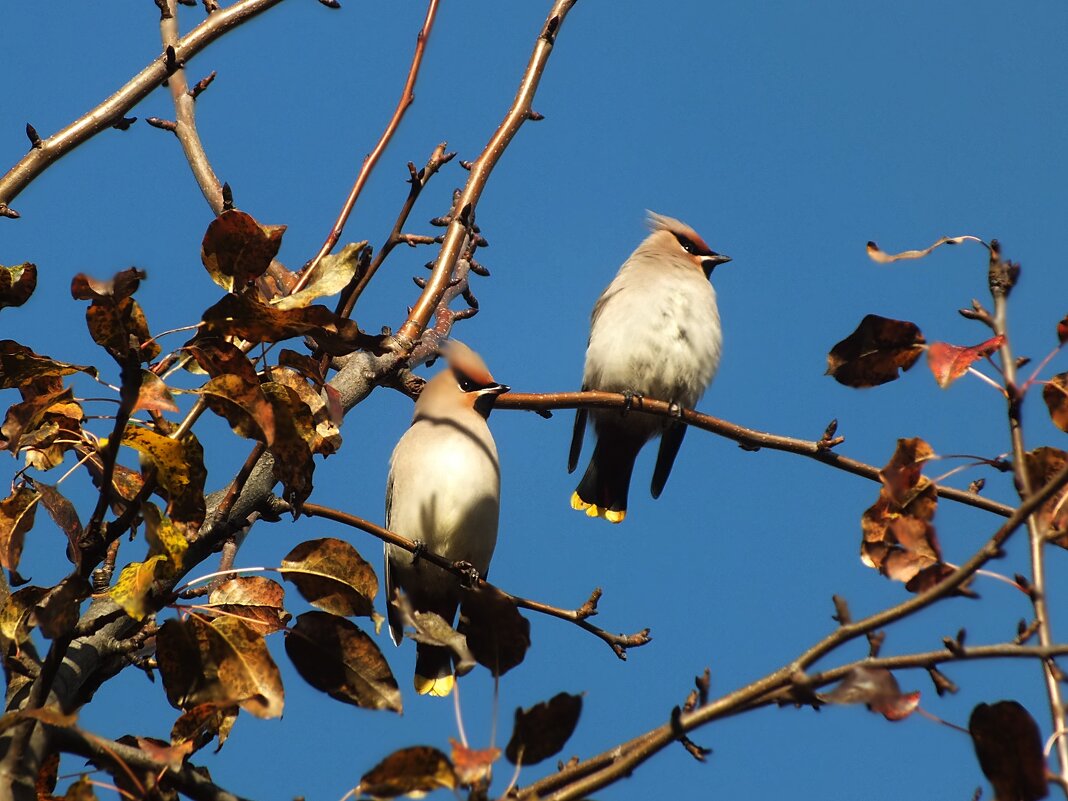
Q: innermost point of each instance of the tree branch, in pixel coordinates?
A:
(749, 439)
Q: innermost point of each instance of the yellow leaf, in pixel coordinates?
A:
(135, 582)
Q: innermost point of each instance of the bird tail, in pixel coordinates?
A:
(433, 671)
(602, 492)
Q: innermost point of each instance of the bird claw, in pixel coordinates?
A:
(468, 573)
(675, 410)
(419, 552)
(628, 400)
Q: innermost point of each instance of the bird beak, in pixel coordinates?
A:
(487, 396)
(710, 262)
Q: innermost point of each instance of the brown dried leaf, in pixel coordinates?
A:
(243, 405)
(875, 351)
(254, 600)
(473, 766)
(120, 325)
(880, 257)
(170, 756)
(154, 396)
(950, 362)
(878, 689)
(293, 431)
(496, 633)
(204, 722)
(134, 587)
(304, 365)
(180, 471)
(336, 657)
(543, 730)
(19, 365)
(17, 284)
(1042, 465)
(330, 276)
(247, 318)
(17, 513)
(58, 612)
(122, 285)
(331, 575)
(236, 249)
(430, 628)
(325, 437)
(1055, 394)
(25, 418)
(1009, 748)
(187, 666)
(65, 516)
(218, 357)
(246, 668)
(412, 772)
(17, 615)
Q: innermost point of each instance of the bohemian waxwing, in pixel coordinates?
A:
(655, 333)
(444, 492)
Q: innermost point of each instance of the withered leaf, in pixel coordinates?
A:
(17, 615)
(496, 633)
(1062, 330)
(878, 689)
(180, 471)
(430, 628)
(304, 365)
(17, 513)
(336, 657)
(879, 256)
(875, 351)
(122, 285)
(254, 600)
(1009, 748)
(163, 536)
(65, 516)
(543, 730)
(154, 396)
(473, 765)
(58, 612)
(17, 284)
(243, 405)
(218, 357)
(170, 756)
(1042, 464)
(236, 249)
(19, 365)
(81, 790)
(135, 584)
(330, 276)
(331, 575)
(204, 722)
(323, 436)
(24, 418)
(187, 665)
(119, 326)
(950, 362)
(291, 449)
(413, 772)
(1055, 394)
(247, 318)
(246, 668)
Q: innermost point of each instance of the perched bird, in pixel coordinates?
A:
(654, 332)
(444, 492)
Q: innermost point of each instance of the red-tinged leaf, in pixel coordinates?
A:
(881, 257)
(902, 474)
(204, 722)
(878, 689)
(1009, 748)
(331, 575)
(304, 365)
(950, 362)
(330, 276)
(1055, 394)
(336, 657)
(1042, 465)
(245, 317)
(237, 249)
(473, 766)
(1062, 331)
(412, 772)
(17, 284)
(154, 396)
(122, 285)
(243, 405)
(171, 757)
(496, 633)
(16, 518)
(19, 365)
(875, 352)
(543, 730)
(254, 600)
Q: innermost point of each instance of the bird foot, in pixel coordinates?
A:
(675, 410)
(419, 552)
(469, 576)
(629, 398)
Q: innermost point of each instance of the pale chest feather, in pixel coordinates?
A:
(445, 490)
(658, 337)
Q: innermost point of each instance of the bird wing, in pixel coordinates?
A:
(396, 625)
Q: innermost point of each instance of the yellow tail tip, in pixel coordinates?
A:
(593, 510)
(438, 688)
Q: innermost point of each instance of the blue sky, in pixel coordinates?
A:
(789, 135)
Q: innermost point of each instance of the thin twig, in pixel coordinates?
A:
(749, 439)
(619, 643)
(371, 159)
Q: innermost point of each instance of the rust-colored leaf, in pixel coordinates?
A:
(336, 657)
(188, 667)
(1055, 394)
(330, 276)
(19, 365)
(136, 582)
(52, 715)
(246, 668)
(122, 285)
(1042, 465)
(543, 730)
(245, 317)
(17, 284)
(65, 516)
(119, 326)
(950, 362)
(236, 249)
(243, 405)
(254, 600)
(877, 689)
(877, 255)
(413, 772)
(17, 512)
(204, 722)
(303, 364)
(496, 633)
(331, 575)
(875, 352)
(293, 430)
(1009, 748)
(154, 396)
(473, 766)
